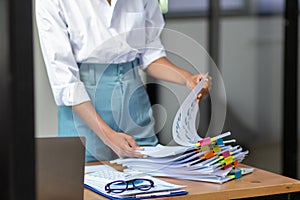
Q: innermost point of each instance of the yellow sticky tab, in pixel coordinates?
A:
(231, 176)
(197, 144)
(228, 160)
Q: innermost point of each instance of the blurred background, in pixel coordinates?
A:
(250, 60)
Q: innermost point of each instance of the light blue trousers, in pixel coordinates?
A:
(120, 98)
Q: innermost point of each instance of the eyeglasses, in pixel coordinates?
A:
(120, 186)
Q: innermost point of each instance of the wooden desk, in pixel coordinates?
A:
(257, 184)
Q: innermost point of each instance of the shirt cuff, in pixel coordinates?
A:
(151, 53)
(70, 95)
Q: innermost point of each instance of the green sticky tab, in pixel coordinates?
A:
(163, 4)
(216, 149)
(205, 148)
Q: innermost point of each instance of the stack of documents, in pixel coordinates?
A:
(209, 159)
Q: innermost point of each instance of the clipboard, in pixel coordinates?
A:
(96, 183)
(143, 196)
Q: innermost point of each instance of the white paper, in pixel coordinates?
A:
(160, 151)
(184, 125)
(187, 165)
(94, 168)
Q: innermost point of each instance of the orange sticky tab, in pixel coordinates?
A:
(235, 163)
(209, 154)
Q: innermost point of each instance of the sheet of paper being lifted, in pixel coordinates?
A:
(184, 125)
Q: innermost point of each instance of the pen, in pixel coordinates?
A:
(154, 194)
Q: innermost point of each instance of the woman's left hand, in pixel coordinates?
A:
(193, 80)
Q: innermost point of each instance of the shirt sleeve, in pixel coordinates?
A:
(154, 24)
(61, 66)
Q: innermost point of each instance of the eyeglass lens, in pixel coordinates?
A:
(120, 186)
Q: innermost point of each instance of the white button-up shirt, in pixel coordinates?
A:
(92, 31)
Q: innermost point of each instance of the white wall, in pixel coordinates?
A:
(252, 70)
(251, 64)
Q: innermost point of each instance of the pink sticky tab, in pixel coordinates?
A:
(201, 142)
(227, 166)
(205, 141)
(226, 154)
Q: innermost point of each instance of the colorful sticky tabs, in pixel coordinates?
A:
(237, 173)
(228, 160)
(227, 166)
(205, 148)
(209, 154)
(205, 141)
(219, 142)
(197, 144)
(216, 149)
(235, 163)
(231, 176)
(226, 154)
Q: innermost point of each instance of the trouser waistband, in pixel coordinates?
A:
(114, 68)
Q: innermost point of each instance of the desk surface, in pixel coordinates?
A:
(258, 183)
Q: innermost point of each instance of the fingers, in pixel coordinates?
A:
(194, 80)
(206, 87)
(132, 143)
(127, 147)
(198, 78)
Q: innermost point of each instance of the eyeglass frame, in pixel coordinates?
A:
(140, 187)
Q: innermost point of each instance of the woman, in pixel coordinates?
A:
(92, 50)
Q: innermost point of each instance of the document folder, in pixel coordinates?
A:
(144, 196)
(96, 182)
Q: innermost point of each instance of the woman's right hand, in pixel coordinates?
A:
(123, 145)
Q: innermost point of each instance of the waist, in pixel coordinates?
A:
(96, 69)
(133, 63)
